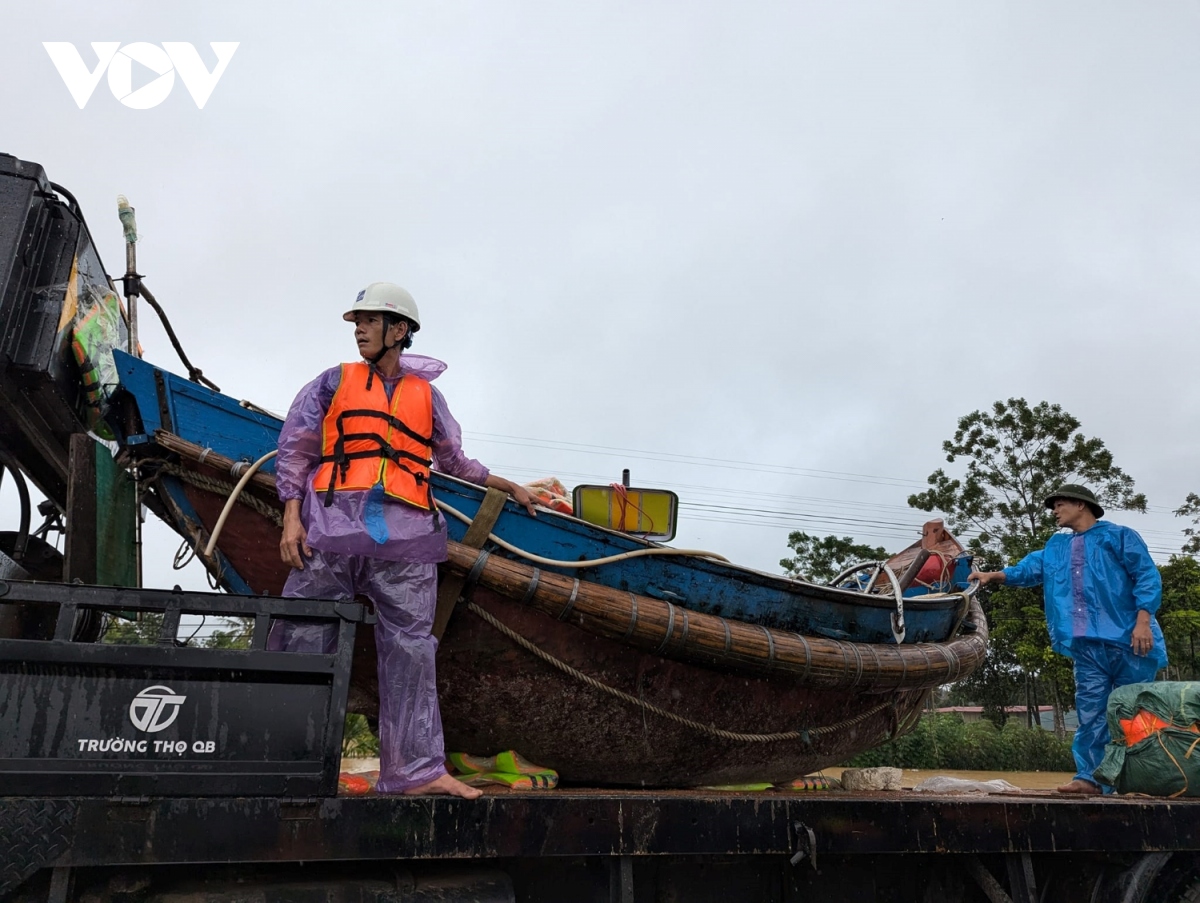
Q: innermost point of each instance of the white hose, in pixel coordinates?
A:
(553, 562)
(233, 497)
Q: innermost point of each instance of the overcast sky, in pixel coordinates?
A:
(794, 242)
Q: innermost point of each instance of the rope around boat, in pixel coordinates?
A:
(683, 634)
(225, 488)
(827, 663)
(806, 735)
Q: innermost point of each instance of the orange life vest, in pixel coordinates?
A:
(367, 441)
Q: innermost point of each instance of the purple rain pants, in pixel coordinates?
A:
(404, 593)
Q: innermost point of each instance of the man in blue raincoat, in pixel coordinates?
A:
(1101, 590)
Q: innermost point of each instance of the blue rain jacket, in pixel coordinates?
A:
(1094, 584)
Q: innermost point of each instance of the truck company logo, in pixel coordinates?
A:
(152, 710)
(118, 60)
(155, 709)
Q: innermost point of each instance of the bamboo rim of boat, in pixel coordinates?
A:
(674, 632)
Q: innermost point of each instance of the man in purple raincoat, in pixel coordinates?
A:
(383, 541)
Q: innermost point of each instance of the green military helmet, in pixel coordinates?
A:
(1076, 493)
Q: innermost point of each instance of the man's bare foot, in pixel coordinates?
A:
(1081, 787)
(447, 786)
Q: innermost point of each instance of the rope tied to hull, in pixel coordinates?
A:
(806, 736)
(223, 487)
(754, 649)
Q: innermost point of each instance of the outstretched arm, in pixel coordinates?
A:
(520, 494)
(1026, 572)
(986, 577)
(449, 457)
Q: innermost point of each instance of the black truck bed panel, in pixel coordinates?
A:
(98, 831)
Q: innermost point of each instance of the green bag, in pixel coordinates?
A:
(1155, 748)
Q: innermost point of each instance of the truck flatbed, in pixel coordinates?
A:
(547, 841)
(131, 830)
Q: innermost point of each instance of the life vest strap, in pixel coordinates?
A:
(340, 470)
(385, 450)
(341, 464)
(394, 422)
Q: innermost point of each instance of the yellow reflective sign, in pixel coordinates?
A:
(650, 513)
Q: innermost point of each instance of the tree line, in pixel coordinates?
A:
(1009, 458)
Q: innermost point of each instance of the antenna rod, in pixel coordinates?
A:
(132, 279)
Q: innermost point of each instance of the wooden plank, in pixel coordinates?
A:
(450, 586)
(910, 573)
(79, 559)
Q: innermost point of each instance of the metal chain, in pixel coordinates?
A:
(549, 659)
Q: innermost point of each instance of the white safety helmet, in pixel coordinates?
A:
(388, 298)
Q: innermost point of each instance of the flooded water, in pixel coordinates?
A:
(1026, 780)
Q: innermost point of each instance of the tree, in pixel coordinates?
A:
(141, 631)
(993, 686)
(358, 740)
(229, 633)
(1179, 615)
(236, 636)
(1015, 456)
(1191, 508)
(820, 560)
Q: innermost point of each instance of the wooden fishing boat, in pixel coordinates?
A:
(652, 668)
(655, 670)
